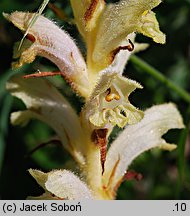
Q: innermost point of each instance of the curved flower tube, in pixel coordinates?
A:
(45, 103)
(48, 40)
(138, 138)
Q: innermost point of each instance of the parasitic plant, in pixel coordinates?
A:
(108, 31)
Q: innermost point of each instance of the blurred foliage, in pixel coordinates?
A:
(165, 175)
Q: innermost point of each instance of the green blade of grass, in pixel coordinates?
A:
(159, 76)
(181, 156)
(35, 17)
(7, 103)
(5, 107)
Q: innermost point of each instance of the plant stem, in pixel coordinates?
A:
(182, 164)
(159, 76)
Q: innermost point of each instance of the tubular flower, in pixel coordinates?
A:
(109, 101)
(61, 184)
(105, 27)
(109, 33)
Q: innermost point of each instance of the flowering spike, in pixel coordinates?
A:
(109, 33)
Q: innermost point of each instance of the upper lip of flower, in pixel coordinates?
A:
(113, 25)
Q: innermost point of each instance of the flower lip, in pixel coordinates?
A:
(109, 102)
(62, 184)
(138, 138)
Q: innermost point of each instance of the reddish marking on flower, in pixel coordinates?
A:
(111, 178)
(72, 58)
(129, 47)
(61, 199)
(53, 73)
(43, 74)
(99, 137)
(104, 187)
(111, 96)
(117, 186)
(113, 172)
(89, 12)
(31, 37)
(130, 175)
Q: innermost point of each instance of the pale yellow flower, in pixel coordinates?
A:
(108, 31)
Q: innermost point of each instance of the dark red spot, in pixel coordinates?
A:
(130, 175)
(31, 37)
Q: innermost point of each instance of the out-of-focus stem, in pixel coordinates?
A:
(159, 76)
